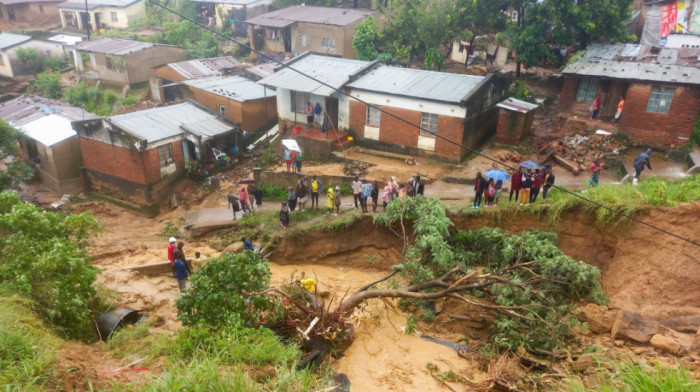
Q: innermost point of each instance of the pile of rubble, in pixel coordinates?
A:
(511, 156)
(578, 152)
(356, 168)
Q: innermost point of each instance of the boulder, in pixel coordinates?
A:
(665, 344)
(633, 326)
(599, 318)
(584, 362)
(234, 248)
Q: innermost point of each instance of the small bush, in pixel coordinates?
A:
(170, 230)
(273, 192)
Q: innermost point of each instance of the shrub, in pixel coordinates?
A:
(217, 294)
(42, 257)
(50, 84)
(273, 192)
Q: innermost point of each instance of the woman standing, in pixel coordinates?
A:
(479, 187)
(291, 199)
(516, 181)
(387, 195)
(309, 114)
(527, 179)
(375, 196)
(243, 198)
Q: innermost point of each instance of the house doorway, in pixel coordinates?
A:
(287, 37)
(98, 25)
(190, 151)
(332, 110)
(610, 92)
(259, 39)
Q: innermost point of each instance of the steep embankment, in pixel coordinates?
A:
(643, 270)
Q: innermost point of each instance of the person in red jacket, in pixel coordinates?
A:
(171, 247)
(536, 185)
(479, 188)
(515, 184)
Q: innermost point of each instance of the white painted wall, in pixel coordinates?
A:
(441, 109)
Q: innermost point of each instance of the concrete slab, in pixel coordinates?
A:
(207, 219)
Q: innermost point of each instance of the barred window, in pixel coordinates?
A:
(428, 124)
(165, 155)
(299, 100)
(373, 115)
(660, 99)
(586, 89)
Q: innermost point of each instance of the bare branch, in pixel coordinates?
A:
(380, 280)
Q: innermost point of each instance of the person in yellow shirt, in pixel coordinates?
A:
(316, 189)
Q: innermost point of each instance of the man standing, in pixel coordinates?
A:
(316, 189)
(317, 113)
(620, 106)
(180, 273)
(356, 190)
(171, 248)
(420, 187)
(639, 163)
(301, 192)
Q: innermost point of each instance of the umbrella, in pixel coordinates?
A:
(291, 144)
(529, 165)
(497, 174)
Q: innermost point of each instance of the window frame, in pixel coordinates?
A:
(325, 43)
(514, 16)
(114, 16)
(373, 116)
(661, 93)
(222, 110)
(299, 105)
(428, 121)
(585, 85)
(165, 154)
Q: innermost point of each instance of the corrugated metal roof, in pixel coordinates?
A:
(8, 40)
(237, 2)
(49, 130)
(665, 66)
(306, 14)
(237, 88)
(262, 70)
(415, 83)
(66, 39)
(27, 108)
(11, 2)
(165, 122)
(114, 46)
(517, 105)
(333, 71)
(202, 68)
(92, 4)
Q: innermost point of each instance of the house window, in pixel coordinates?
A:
(660, 99)
(273, 35)
(586, 89)
(514, 16)
(303, 40)
(328, 43)
(114, 16)
(165, 155)
(428, 124)
(222, 110)
(299, 100)
(41, 9)
(373, 116)
(108, 63)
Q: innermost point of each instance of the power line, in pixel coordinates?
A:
(259, 53)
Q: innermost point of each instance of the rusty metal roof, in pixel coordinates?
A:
(419, 84)
(517, 105)
(28, 108)
(92, 4)
(262, 70)
(333, 71)
(203, 68)
(236, 88)
(114, 46)
(8, 40)
(307, 14)
(638, 62)
(10, 2)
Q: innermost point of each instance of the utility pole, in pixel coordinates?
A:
(86, 21)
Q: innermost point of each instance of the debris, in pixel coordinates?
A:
(573, 167)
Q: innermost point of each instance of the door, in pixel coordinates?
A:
(612, 97)
(287, 37)
(259, 40)
(332, 109)
(98, 25)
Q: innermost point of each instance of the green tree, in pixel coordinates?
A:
(17, 171)
(29, 58)
(198, 43)
(42, 256)
(187, 8)
(365, 41)
(50, 84)
(481, 17)
(553, 23)
(217, 292)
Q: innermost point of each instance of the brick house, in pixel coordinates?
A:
(10, 67)
(164, 85)
(34, 14)
(514, 121)
(661, 89)
(295, 90)
(300, 28)
(51, 142)
(132, 155)
(237, 98)
(123, 61)
(458, 107)
(101, 14)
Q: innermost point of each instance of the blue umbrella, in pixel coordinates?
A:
(529, 165)
(497, 174)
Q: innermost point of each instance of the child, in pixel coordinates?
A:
(402, 191)
(330, 200)
(284, 215)
(337, 201)
(490, 192)
(243, 197)
(499, 189)
(387, 195)
(536, 185)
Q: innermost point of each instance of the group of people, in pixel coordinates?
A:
(595, 109)
(525, 184)
(248, 198)
(182, 268)
(313, 114)
(293, 159)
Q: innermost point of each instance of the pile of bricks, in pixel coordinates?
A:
(579, 152)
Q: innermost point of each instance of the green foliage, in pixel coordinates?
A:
(411, 325)
(100, 102)
(17, 171)
(170, 230)
(42, 256)
(695, 135)
(555, 23)
(199, 43)
(29, 58)
(27, 348)
(269, 158)
(365, 41)
(77, 95)
(637, 377)
(50, 84)
(520, 90)
(55, 65)
(273, 192)
(539, 299)
(217, 292)
(477, 18)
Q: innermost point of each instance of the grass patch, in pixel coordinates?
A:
(635, 377)
(273, 192)
(27, 347)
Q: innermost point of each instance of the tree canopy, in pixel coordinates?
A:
(18, 170)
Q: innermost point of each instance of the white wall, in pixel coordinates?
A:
(439, 108)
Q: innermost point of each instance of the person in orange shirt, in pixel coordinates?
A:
(620, 106)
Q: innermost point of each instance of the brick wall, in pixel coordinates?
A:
(658, 128)
(166, 72)
(513, 126)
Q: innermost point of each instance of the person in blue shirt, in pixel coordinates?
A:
(247, 245)
(181, 273)
(366, 193)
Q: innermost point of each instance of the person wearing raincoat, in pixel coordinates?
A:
(330, 200)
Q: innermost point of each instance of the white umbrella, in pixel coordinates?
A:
(291, 144)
